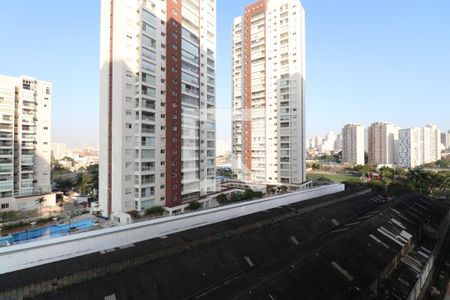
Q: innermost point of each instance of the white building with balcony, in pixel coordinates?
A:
(383, 144)
(418, 146)
(268, 77)
(157, 104)
(353, 144)
(25, 149)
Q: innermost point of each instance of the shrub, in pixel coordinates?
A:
(194, 205)
(154, 211)
(249, 194)
(222, 199)
(258, 194)
(134, 214)
(236, 197)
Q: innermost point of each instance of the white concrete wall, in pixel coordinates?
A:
(41, 252)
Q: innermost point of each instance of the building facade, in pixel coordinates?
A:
(383, 143)
(328, 143)
(445, 140)
(25, 149)
(268, 75)
(60, 150)
(418, 146)
(157, 111)
(353, 144)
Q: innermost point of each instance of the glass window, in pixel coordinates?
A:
(150, 30)
(189, 46)
(148, 54)
(148, 66)
(187, 56)
(148, 42)
(189, 78)
(147, 78)
(148, 17)
(148, 154)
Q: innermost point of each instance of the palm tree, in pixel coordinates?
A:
(445, 184)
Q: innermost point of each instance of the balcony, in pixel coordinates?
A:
(27, 169)
(27, 161)
(6, 186)
(6, 144)
(6, 168)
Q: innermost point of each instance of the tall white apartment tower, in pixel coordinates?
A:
(383, 143)
(157, 103)
(268, 92)
(419, 146)
(445, 140)
(25, 148)
(353, 144)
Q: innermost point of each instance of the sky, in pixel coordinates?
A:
(366, 61)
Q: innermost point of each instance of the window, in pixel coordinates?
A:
(149, 17)
(148, 66)
(148, 54)
(148, 154)
(148, 29)
(148, 42)
(189, 47)
(5, 205)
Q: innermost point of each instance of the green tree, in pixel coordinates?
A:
(86, 184)
(258, 194)
(64, 184)
(377, 185)
(236, 197)
(93, 171)
(401, 172)
(445, 184)
(353, 183)
(249, 194)
(134, 214)
(387, 173)
(222, 199)
(57, 168)
(154, 211)
(69, 159)
(194, 205)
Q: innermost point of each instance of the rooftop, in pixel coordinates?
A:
(312, 249)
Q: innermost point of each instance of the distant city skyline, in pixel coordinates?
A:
(365, 62)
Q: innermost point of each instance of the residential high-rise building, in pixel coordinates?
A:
(157, 111)
(309, 143)
(328, 142)
(25, 124)
(338, 143)
(353, 144)
(318, 140)
(418, 146)
(268, 77)
(383, 143)
(60, 150)
(445, 140)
